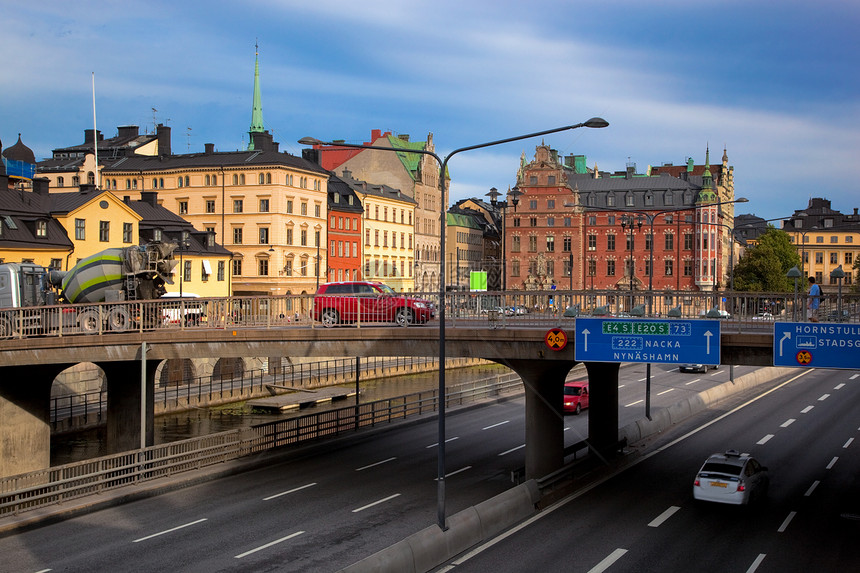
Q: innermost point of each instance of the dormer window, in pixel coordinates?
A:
(41, 229)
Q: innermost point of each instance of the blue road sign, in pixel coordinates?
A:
(816, 345)
(644, 340)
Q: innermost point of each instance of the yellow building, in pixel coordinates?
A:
(28, 233)
(825, 239)
(388, 243)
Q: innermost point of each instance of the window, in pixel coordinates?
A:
(262, 179)
(60, 181)
(550, 180)
(628, 200)
(55, 264)
(834, 239)
(264, 235)
(819, 257)
(610, 242)
(183, 207)
(104, 231)
(289, 236)
(566, 268)
(648, 267)
(515, 268)
(688, 268)
(186, 271)
(304, 238)
(592, 242)
(532, 243)
(220, 270)
(304, 208)
(317, 211)
(289, 205)
(834, 258)
(849, 259)
(237, 267)
(648, 238)
(532, 179)
(288, 268)
(515, 244)
(819, 239)
(566, 244)
(550, 203)
(532, 221)
(210, 205)
(263, 267)
(592, 269)
(237, 235)
(264, 205)
(533, 204)
(550, 221)
(668, 219)
(568, 221)
(127, 229)
(688, 241)
(669, 198)
(669, 241)
(592, 221)
(610, 268)
(41, 229)
(649, 200)
(550, 244)
(237, 205)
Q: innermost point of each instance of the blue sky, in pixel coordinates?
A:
(774, 82)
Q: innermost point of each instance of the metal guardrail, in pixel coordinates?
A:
(72, 481)
(494, 309)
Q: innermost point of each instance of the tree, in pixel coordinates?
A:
(762, 268)
(856, 286)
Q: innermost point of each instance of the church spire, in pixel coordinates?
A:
(257, 110)
(707, 195)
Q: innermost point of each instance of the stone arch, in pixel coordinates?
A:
(228, 368)
(176, 372)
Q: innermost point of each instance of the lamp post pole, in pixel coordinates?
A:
(595, 122)
(512, 199)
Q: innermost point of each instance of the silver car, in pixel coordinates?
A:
(732, 478)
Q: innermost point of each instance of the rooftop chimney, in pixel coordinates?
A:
(209, 148)
(162, 132)
(150, 197)
(41, 185)
(128, 131)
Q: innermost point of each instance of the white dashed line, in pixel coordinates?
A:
(437, 443)
(665, 391)
(824, 397)
(496, 425)
(839, 387)
(295, 489)
(855, 376)
(455, 472)
(811, 488)
(786, 522)
(693, 381)
(267, 545)
(634, 403)
(757, 562)
(787, 423)
(832, 463)
(764, 440)
(807, 410)
(169, 530)
(506, 452)
(369, 505)
(608, 561)
(658, 521)
(374, 465)
(848, 443)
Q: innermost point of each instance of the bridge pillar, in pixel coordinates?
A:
(123, 404)
(544, 391)
(25, 412)
(603, 406)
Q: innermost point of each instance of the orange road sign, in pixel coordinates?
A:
(555, 339)
(804, 357)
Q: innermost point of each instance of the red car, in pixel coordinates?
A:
(368, 301)
(575, 396)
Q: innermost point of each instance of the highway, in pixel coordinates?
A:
(644, 519)
(326, 506)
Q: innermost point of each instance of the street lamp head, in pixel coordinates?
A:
(514, 194)
(310, 141)
(793, 273)
(493, 195)
(596, 122)
(741, 200)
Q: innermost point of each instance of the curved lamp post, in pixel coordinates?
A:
(511, 200)
(594, 122)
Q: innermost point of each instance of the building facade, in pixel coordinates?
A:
(345, 251)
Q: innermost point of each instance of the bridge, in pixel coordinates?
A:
(29, 362)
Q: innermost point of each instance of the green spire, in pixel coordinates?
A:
(707, 195)
(257, 110)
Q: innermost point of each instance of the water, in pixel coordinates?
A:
(90, 443)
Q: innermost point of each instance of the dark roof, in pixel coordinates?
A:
(338, 188)
(20, 152)
(19, 211)
(213, 160)
(155, 216)
(683, 193)
(378, 190)
(818, 213)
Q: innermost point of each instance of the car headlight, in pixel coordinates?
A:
(420, 305)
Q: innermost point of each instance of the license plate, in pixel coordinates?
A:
(718, 484)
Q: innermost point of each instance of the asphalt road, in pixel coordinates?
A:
(329, 505)
(645, 519)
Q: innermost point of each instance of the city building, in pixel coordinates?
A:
(388, 227)
(345, 255)
(416, 175)
(580, 228)
(825, 239)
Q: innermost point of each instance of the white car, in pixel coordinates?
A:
(763, 316)
(731, 477)
(176, 306)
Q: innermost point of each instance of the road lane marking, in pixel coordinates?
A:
(267, 545)
(44, 571)
(786, 522)
(374, 465)
(848, 443)
(455, 472)
(832, 463)
(756, 562)
(787, 423)
(839, 386)
(855, 376)
(824, 397)
(634, 403)
(693, 381)
(608, 561)
(446, 441)
(665, 391)
(658, 521)
(369, 505)
(170, 530)
(807, 410)
(496, 425)
(642, 380)
(506, 452)
(811, 488)
(289, 491)
(621, 385)
(764, 440)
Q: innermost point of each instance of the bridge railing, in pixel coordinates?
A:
(497, 309)
(71, 481)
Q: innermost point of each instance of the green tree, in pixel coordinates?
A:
(856, 286)
(762, 268)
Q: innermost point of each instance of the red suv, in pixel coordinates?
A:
(367, 301)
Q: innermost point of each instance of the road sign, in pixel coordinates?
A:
(556, 339)
(816, 345)
(645, 340)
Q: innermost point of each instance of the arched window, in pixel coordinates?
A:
(242, 179)
(268, 178)
(206, 179)
(154, 183)
(179, 182)
(262, 179)
(91, 178)
(76, 181)
(187, 181)
(61, 182)
(235, 179)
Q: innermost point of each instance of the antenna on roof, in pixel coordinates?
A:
(154, 119)
(188, 136)
(95, 135)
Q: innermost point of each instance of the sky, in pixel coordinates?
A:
(774, 83)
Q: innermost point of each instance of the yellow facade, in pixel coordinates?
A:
(102, 222)
(823, 250)
(388, 239)
(50, 257)
(196, 280)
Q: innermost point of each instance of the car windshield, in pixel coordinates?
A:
(721, 468)
(572, 390)
(386, 289)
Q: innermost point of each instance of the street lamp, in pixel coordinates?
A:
(630, 223)
(183, 244)
(513, 196)
(794, 273)
(594, 122)
(838, 274)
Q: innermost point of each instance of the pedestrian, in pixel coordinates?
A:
(812, 301)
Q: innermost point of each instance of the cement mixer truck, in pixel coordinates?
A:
(36, 300)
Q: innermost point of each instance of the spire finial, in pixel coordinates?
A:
(257, 106)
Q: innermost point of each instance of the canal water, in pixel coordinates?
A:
(90, 443)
